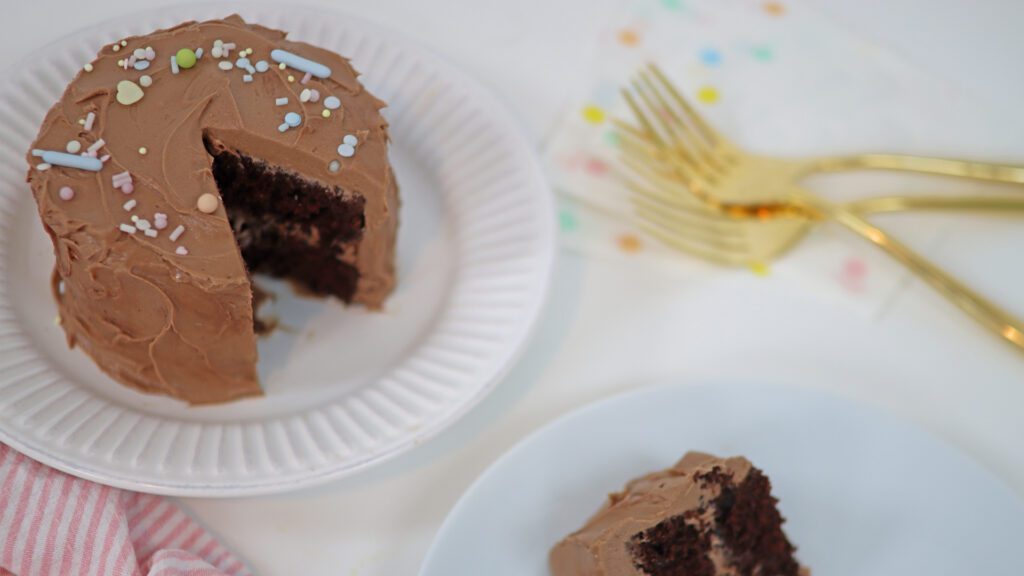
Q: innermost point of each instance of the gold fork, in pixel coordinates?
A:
(701, 194)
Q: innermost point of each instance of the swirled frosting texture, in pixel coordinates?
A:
(175, 316)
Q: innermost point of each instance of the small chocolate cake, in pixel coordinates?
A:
(705, 516)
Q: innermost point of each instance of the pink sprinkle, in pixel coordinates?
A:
(305, 79)
(128, 188)
(228, 46)
(314, 95)
(66, 193)
(160, 224)
(181, 251)
(120, 177)
(595, 166)
(130, 61)
(105, 157)
(89, 119)
(150, 53)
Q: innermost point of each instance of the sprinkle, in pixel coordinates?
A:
(199, 53)
(129, 62)
(66, 193)
(90, 118)
(81, 121)
(151, 233)
(350, 140)
(334, 166)
(143, 150)
(326, 113)
(97, 145)
(242, 62)
(283, 101)
(129, 205)
(145, 81)
(291, 78)
(305, 95)
(88, 67)
(301, 64)
(262, 66)
(160, 216)
(160, 221)
(228, 46)
(121, 63)
(293, 119)
(225, 65)
(141, 65)
(128, 188)
(142, 224)
(124, 43)
(43, 166)
(207, 203)
(135, 218)
(104, 158)
(306, 78)
(186, 58)
(282, 66)
(139, 53)
(174, 65)
(218, 42)
(247, 78)
(346, 150)
(177, 233)
(181, 251)
(116, 47)
(332, 103)
(53, 158)
(121, 177)
(128, 92)
(127, 228)
(283, 127)
(314, 95)
(73, 147)
(217, 51)
(150, 53)
(248, 51)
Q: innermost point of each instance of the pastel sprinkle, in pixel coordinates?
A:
(305, 95)
(116, 47)
(128, 188)
(141, 65)
(81, 121)
(124, 43)
(129, 205)
(218, 42)
(122, 63)
(73, 147)
(95, 146)
(150, 53)
(181, 251)
(282, 66)
(346, 150)
(332, 103)
(291, 78)
(207, 203)
(762, 53)
(281, 101)
(120, 178)
(710, 57)
(350, 140)
(760, 269)
(326, 113)
(306, 78)
(104, 158)
(283, 127)
(228, 45)
(707, 95)
(567, 221)
(174, 65)
(151, 232)
(135, 218)
(334, 166)
(299, 63)
(593, 114)
(176, 233)
(142, 224)
(225, 65)
(217, 51)
(199, 53)
(139, 53)
(128, 92)
(247, 78)
(128, 228)
(143, 150)
(186, 58)
(314, 95)
(262, 66)
(53, 158)
(629, 243)
(43, 166)
(66, 193)
(293, 119)
(145, 81)
(87, 67)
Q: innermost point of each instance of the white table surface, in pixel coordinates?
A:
(613, 324)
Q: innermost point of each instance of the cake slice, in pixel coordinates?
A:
(705, 516)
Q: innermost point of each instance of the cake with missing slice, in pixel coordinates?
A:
(705, 516)
(177, 164)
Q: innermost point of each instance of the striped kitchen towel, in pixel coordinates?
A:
(53, 523)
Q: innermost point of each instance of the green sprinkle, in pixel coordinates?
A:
(186, 58)
(762, 53)
(672, 4)
(612, 138)
(567, 220)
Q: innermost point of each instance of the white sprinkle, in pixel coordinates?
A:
(332, 103)
(124, 43)
(66, 193)
(150, 53)
(217, 51)
(135, 218)
(199, 53)
(228, 46)
(305, 79)
(160, 223)
(159, 216)
(334, 166)
(176, 233)
(145, 81)
(43, 166)
(283, 127)
(225, 65)
(247, 78)
(139, 53)
(151, 233)
(104, 158)
(314, 95)
(89, 119)
(305, 95)
(129, 205)
(121, 177)
(142, 224)
(218, 42)
(73, 147)
(181, 251)
(88, 67)
(127, 228)
(281, 101)
(350, 140)
(97, 145)
(262, 66)
(346, 150)
(174, 64)
(129, 62)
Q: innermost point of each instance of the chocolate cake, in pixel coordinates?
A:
(705, 516)
(178, 164)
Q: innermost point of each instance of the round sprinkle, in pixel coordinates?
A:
(332, 103)
(128, 188)
(117, 47)
(314, 95)
(120, 63)
(81, 121)
(217, 52)
(124, 42)
(292, 119)
(326, 113)
(305, 95)
(334, 166)
(282, 66)
(186, 58)
(218, 42)
(150, 53)
(135, 217)
(142, 150)
(262, 66)
(350, 140)
(66, 193)
(207, 203)
(291, 78)
(88, 67)
(248, 50)
(242, 62)
(346, 150)
(145, 81)
(73, 147)
(225, 65)
(139, 53)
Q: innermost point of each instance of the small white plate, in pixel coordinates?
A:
(345, 388)
(863, 493)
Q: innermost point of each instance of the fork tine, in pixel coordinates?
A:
(643, 153)
(645, 124)
(672, 237)
(661, 176)
(709, 133)
(668, 121)
(702, 227)
(689, 143)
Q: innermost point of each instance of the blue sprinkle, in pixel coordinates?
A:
(242, 62)
(710, 57)
(70, 160)
(350, 140)
(346, 150)
(282, 128)
(142, 64)
(301, 64)
(262, 66)
(292, 119)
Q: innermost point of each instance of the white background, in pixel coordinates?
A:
(613, 324)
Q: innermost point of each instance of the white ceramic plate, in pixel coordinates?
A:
(345, 388)
(863, 493)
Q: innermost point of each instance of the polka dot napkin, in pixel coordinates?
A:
(779, 78)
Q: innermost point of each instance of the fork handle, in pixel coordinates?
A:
(877, 205)
(922, 164)
(988, 314)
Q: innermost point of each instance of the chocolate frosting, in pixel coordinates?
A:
(176, 317)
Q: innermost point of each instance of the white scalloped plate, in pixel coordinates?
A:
(345, 388)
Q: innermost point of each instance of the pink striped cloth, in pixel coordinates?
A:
(52, 523)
